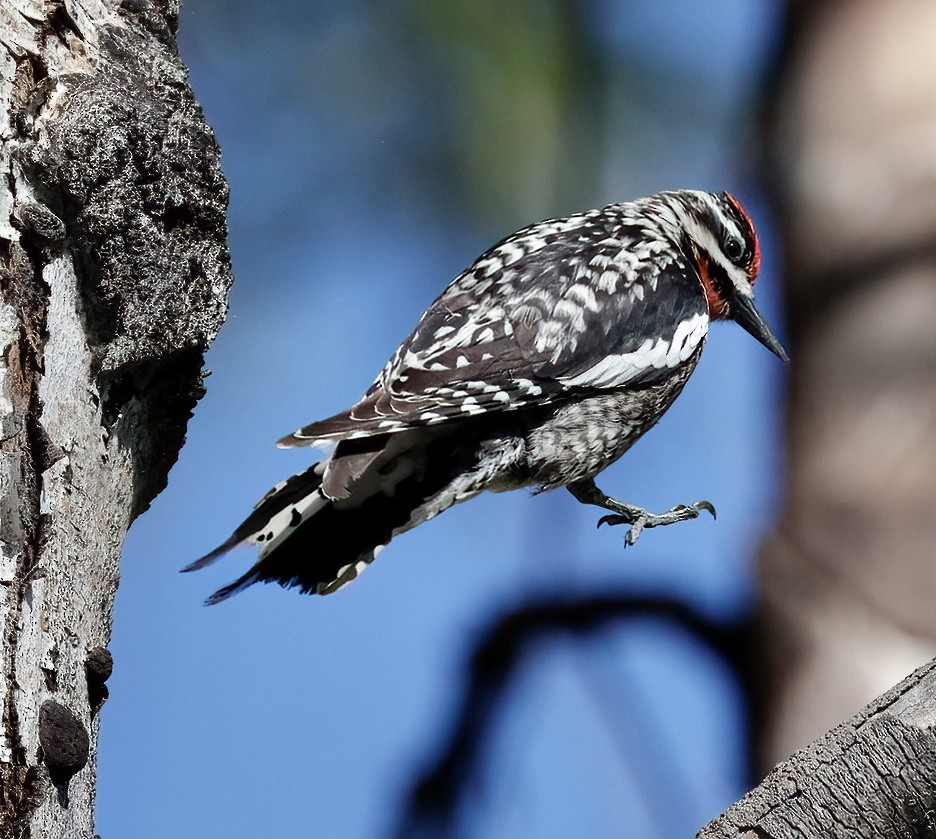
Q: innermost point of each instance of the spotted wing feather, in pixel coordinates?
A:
(560, 308)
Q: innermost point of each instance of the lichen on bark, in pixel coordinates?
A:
(114, 273)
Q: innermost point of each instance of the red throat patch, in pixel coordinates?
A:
(716, 306)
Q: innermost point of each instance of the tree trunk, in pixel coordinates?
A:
(849, 580)
(114, 275)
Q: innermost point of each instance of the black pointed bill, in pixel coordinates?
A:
(749, 319)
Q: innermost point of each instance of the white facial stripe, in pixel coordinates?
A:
(619, 369)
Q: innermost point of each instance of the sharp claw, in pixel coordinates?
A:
(632, 535)
(706, 505)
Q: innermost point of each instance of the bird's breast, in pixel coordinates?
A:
(584, 436)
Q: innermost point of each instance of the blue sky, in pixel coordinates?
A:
(281, 715)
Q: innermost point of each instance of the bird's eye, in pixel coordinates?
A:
(734, 249)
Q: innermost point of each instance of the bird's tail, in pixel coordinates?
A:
(318, 544)
(274, 520)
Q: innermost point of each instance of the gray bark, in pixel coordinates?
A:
(114, 274)
(872, 776)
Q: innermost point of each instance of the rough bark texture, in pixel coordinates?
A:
(114, 274)
(849, 580)
(873, 776)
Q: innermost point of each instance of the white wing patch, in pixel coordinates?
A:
(621, 368)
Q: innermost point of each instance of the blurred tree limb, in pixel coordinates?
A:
(114, 274)
(872, 776)
(498, 659)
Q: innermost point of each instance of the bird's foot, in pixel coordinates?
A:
(637, 517)
(640, 519)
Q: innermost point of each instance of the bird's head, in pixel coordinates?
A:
(727, 253)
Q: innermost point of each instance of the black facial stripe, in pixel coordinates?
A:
(717, 273)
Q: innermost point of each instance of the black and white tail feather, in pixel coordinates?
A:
(538, 366)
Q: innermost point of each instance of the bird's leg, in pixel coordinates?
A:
(636, 517)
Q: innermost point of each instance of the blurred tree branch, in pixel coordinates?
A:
(114, 274)
(498, 659)
(873, 775)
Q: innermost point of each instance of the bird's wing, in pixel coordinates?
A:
(568, 306)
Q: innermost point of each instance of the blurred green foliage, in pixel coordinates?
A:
(518, 85)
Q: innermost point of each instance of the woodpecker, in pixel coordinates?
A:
(539, 366)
